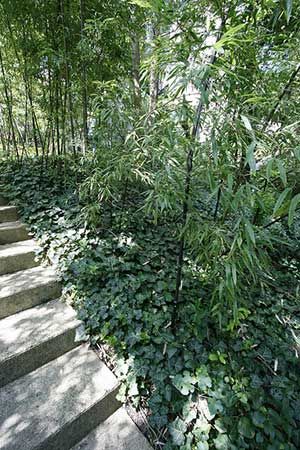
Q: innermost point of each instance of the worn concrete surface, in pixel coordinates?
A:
(34, 337)
(118, 432)
(12, 232)
(58, 404)
(27, 288)
(8, 214)
(18, 256)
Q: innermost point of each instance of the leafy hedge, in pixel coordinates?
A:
(211, 389)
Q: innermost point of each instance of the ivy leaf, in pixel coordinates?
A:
(184, 383)
(177, 430)
(202, 446)
(245, 428)
(258, 419)
(214, 406)
(221, 442)
(220, 426)
(204, 380)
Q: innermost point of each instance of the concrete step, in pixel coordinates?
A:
(17, 256)
(118, 432)
(8, 214)
(12, 232)
(58, 404)
(34, 337)
(27, 288)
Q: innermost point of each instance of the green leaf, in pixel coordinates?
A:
(245, 428)
(289, 8)
(297, 153)
(280, 200)
(184, 383)
(292, 209)
(258, 419)
(269, 169)
(141, 3)
(220, 426)
(148, 4)
(202, 446)
(221, 442)
(250, 231)
(177, 430)
(250, 159)
(282, 172)
(247, 123)
(204, 380)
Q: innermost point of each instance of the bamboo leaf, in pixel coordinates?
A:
(250, 231)
(292, 209)
(282, 172)
(246, 123)
(155, 5)
(269, 168)
(289, 8)
(250, 159)
(280, 200)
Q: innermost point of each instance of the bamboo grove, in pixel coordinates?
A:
(153, 146)
(191, 109)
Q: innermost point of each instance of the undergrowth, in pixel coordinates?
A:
(210, 389)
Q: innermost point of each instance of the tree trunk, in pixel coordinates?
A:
(85, 131)
(9, 106)
(153, 79)
(136, 62)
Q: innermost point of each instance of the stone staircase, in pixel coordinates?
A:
(55, 393)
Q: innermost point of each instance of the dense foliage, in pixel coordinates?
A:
(153, 146)
(211, 388)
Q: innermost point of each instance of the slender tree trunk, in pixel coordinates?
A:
(136, 62)
(2, 136)
(153, 81)
(57, 114)
(67, 75)
(187, 184)
(9, 106)
(85, 131)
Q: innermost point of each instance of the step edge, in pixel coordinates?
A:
(69, 328)
(6, 365)
(19, 253)
(29, 289)
(68, 429)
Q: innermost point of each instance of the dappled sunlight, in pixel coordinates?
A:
(153, 149)
(22, 331)
(17, 282)
(118, 432)
(48, 397)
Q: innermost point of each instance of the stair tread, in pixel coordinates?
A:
(8, 208)
(38, 405)
(17, 282)
(18, 248)
(118, 432)
(29, 328)
(11, 225)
